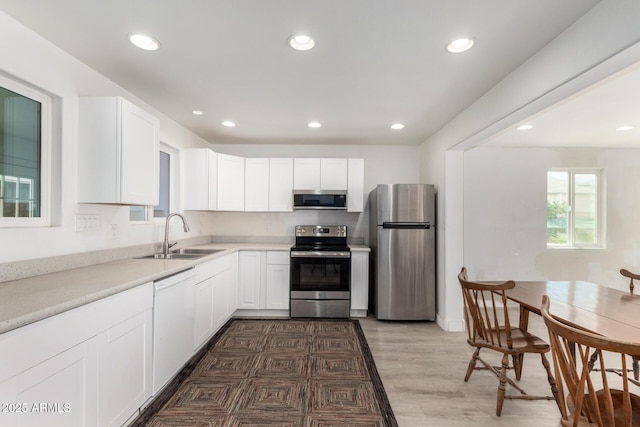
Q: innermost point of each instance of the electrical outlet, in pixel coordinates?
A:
(113, 231)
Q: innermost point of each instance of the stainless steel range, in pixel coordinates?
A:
(320, 272)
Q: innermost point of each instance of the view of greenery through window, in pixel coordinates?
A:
(19, 155)
(572, 208)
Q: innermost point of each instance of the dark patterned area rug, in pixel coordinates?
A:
(293, 373)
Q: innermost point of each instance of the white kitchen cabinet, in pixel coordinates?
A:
(214, 302)
(118, 152)
(124, 369)
(333, 174)
(277, 283)
(359, 283)
(76, 360)
(320, 174)
(251, 279)
(263, 280)
(212, 181)
(230, 183)
(355, 185)
(306, 174)
(59, 391)
(281, 185)
(256, 185)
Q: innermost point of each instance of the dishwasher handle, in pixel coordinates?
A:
(174, 279)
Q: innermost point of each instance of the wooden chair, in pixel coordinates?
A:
(488, 327)
(590, 398)
(635, 358)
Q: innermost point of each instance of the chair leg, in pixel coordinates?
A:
(517, 365)
(502, 387)
(552, 381)
(472, 364)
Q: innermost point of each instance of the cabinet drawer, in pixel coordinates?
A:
(277, 257)
(212, 268)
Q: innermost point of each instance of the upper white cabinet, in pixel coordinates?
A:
(213, 181)
(333, 174)
(256, 185)
(118, 152)
(306, 174)
(355, 185)
(281, 185)
(268, 185)
(320, 174)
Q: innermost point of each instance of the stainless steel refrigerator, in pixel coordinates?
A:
(402, 240)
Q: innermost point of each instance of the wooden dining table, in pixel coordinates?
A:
(605, 311)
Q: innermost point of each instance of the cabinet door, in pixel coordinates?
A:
(277, 287)
(355, 188)
(306, 174)
(333, 174)
(139, 156)
(222, 288)
(359, 280)
(250, 280)
(204, 319)
(200, 188)
(230, 182)
(124, 369)
(256, 186)
(281, 185)
(61, 391)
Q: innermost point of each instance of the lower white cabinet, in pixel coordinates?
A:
(263, 280)
(359, 283)
(123, 381)
(85, 367)
(215, 299)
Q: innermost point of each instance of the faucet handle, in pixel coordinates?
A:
(172, 244)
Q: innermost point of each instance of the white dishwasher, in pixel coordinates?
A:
(173, 320)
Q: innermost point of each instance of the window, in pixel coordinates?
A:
(166, 189)
(24, 155)
(575, 212)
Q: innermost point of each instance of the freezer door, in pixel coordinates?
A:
(405, 203)
(405, 280)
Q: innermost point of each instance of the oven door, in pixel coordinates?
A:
(320, 274)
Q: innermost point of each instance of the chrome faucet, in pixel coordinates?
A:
(166, 245)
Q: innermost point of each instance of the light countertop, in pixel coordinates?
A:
(28, 300)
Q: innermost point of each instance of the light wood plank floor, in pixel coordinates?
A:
(422, 368)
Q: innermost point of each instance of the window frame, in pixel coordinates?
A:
(149, 217)
(600, 217)
(46, 132)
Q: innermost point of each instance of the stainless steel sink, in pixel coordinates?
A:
(185, 253)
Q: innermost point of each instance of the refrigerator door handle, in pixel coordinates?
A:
(408, 225)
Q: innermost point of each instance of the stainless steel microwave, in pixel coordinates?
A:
(320, 199)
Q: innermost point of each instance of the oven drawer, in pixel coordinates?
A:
(320, 308)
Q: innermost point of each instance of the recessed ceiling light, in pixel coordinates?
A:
(197, 112)
(301, 42)
(460, 45)
(228, 124)
(314, 124)
(144, 42)
(524, 127)
(625, 128)
(397, 126)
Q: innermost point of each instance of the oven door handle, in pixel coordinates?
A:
(319, 254)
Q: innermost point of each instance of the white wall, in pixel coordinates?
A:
(602, 42)
(383, 165)
(38, 63)
(505, 215)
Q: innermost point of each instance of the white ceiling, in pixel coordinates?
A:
(587, 119)
(376, 62)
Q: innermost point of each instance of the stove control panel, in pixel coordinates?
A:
(321, 230)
